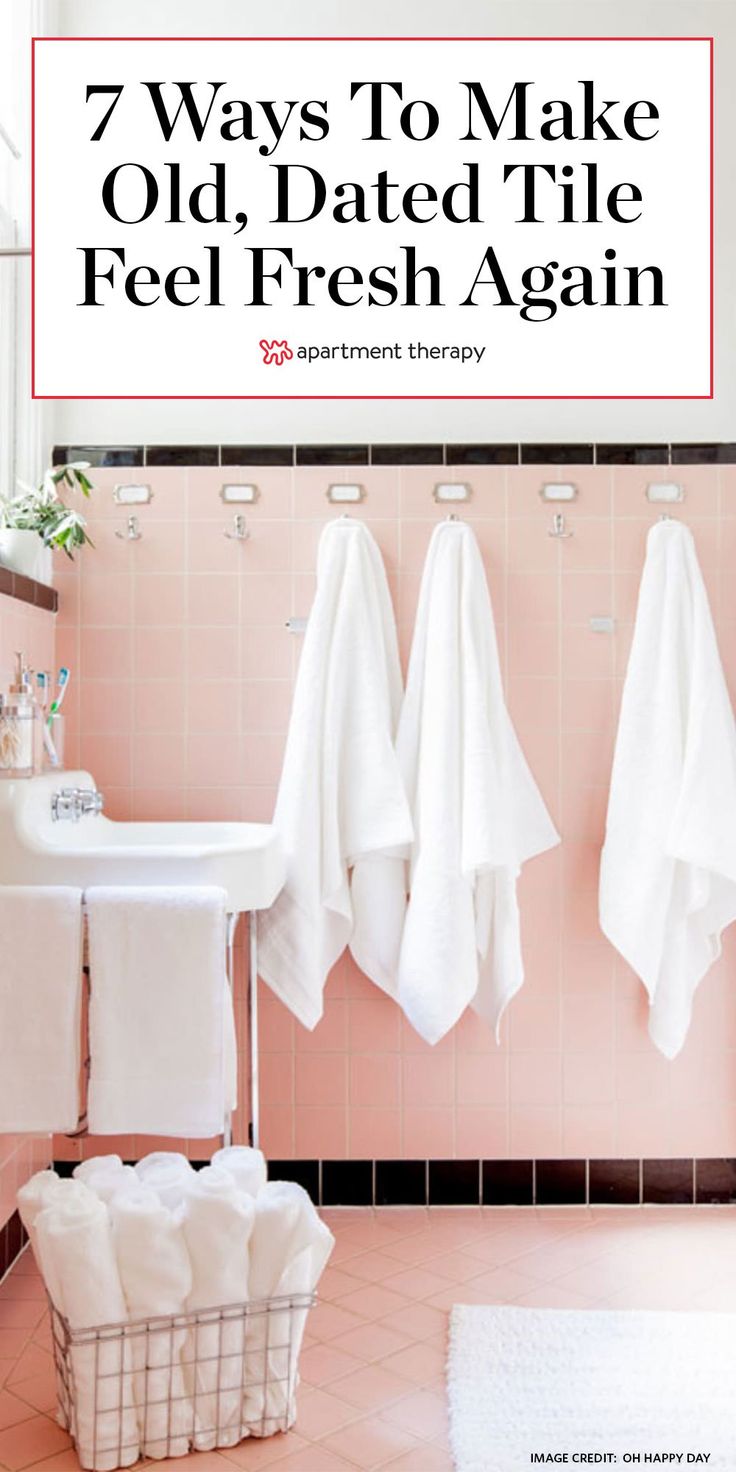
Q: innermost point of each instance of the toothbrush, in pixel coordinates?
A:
(61, 691)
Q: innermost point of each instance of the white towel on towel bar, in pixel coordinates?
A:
(40, 1008)
(77, 1258)
(478, 814)
(341, 803)
(668, 868)
(162, 1039)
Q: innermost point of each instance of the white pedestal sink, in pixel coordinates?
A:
(244, 859)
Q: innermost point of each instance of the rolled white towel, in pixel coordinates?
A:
(37, 1193)
(167, 1173)
(217, 1220)
(157, 1280)
(94, 1163)
(246, 1166)
(289, 1248)
(78, 1262)
(106, 1179)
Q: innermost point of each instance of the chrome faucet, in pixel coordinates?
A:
(73, 803)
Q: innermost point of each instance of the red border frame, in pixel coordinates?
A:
(246, 398)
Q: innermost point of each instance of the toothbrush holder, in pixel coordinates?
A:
(53, 745)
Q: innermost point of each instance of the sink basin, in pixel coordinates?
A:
(244, 859)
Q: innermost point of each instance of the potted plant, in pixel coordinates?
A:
(35, 522)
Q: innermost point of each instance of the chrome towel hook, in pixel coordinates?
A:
(132, 531)
(559, 527)
(239, 531)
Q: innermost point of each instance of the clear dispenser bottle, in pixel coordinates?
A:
(20, 729)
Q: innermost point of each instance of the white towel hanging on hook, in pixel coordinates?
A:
(477, 811)
(668, 868)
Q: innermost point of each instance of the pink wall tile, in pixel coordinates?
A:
(375, 1133)
(213, 598)
(535, 1078)
(428, 1133)
(375, 1078)
(427, 1079)
(482, 1080)
(160, 599)
(183, 671)
(481, 1133)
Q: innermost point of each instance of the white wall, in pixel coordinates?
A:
(93, 422)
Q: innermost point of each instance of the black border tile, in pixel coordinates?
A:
(407, 455)
(347, 1182)
(454, 1183)
(614, 1182)
(482, 454)
(13, 1238)
(560, 1183)
(557, 454)
(24, 589)
(14, 1230)
(65, 1168)
(257, 455)
(632, 454)
(27, 590)
(508, 1182)
(721, 454)
(401, 1183)
(182, 455)
(45, 597)
(98, 455)
(332, 455)
(304, 1172)
(715, 1181)
(667, 1181)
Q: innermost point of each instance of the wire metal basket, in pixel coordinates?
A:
(161, 1387)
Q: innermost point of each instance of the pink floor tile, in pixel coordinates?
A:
(321, 1412)
(321, 1364)
(425, 1457)
(313, 1458)
(255, 1454)
(423, 1413)
(30, 1441)
(21, 1313)
(371, 1442)
(372, 1388)
(371, 1342)
(374, 1302)
(372, 1393)
(39, 1391)
(13, 1410)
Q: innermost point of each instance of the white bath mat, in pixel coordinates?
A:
(526, 1385)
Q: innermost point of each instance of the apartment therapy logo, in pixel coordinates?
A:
(513, 196)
